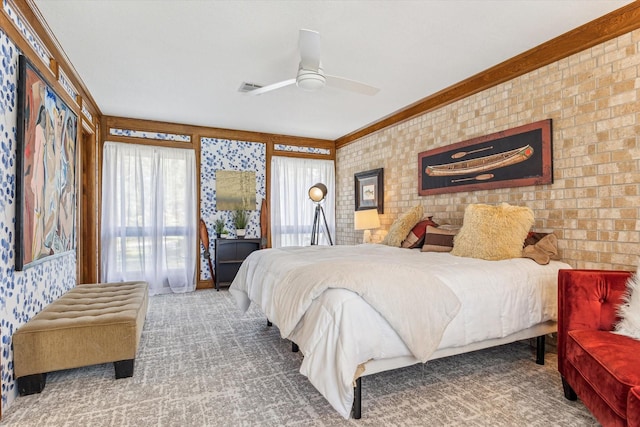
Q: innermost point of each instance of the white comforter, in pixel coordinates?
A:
(337, 329)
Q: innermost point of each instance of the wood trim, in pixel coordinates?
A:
(208, 283)
(87, 126)
(146, 126)
(267, 195)
(25, 49)
(299, 155)
(88, 243)
(210, 132)
(100, 138)
(607, 27)
(35, 19)
(249, 136)
(145, 141)
(53, 66)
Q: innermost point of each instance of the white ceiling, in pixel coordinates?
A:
(183, 61)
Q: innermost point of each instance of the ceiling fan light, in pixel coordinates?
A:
(310, 80)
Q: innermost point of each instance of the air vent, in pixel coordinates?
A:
(248, 87)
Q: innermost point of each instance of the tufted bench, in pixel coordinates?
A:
(88, 325)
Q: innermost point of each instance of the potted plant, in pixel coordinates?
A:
(218, 226)
(240, 220)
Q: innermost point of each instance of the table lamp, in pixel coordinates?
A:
(366, 220)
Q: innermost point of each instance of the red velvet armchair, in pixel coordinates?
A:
(600, 367)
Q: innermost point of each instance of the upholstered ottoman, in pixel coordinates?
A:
(88, 325)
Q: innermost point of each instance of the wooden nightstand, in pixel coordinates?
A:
(229, 254)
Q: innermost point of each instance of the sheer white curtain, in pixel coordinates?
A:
(292, 211)
(149, 220)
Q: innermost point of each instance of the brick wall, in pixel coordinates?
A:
(593, 205)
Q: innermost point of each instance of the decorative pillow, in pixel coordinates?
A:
(401, 226)
(439, 239)
(493, 232)
(543, 251)
(534, 237)
(629, 310)
(416, 235)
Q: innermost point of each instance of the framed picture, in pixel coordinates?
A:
(235, 190)
(513, 158)
(46, 170)
(369, 190)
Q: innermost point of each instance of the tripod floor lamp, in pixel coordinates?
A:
(317, 193)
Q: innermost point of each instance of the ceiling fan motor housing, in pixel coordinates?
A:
(310, 80)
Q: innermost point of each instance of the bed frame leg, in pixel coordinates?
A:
(357, 399)
(540, 350)
(294, 347)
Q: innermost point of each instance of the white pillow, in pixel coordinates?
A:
(629, 311)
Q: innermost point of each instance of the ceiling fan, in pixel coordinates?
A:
(311, 76)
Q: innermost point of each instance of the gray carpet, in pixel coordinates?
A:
(202, 364)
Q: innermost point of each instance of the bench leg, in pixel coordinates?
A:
(124, 368)
(31, 384)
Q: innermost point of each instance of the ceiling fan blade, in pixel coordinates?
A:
(309, 45)
(271, 87)
(351, 85)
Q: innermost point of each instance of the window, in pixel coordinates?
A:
(292, 212)
(149, 221)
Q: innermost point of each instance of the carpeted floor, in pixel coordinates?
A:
(200, 363)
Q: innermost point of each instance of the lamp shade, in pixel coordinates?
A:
(318, 192)
(366, 220)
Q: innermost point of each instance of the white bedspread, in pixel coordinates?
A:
(389, 280)
(337, 329)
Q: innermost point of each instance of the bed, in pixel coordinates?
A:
(359, 310)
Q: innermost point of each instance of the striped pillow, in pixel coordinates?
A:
(415, 237)
(439, 239)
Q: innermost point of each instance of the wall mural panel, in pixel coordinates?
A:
(223, 154)
(22, 294)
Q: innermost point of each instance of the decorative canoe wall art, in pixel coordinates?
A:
(512, 158)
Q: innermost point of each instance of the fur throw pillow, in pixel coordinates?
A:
(402, 226)
(493, 232)
(629, 310)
